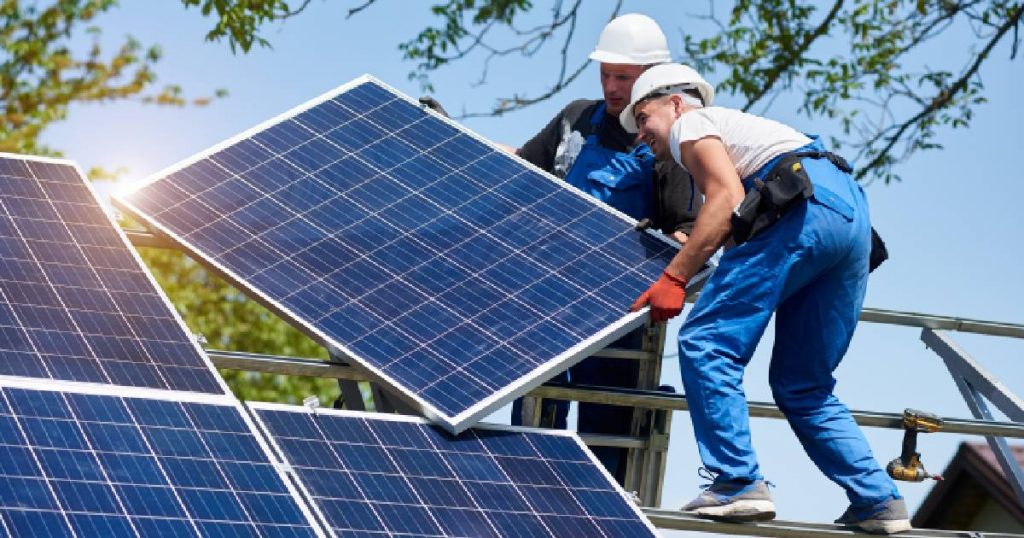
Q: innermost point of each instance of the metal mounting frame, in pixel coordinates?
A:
(977, 385)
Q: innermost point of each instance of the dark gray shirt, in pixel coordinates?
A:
(676, 199)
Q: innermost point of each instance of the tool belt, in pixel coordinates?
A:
(784, 187)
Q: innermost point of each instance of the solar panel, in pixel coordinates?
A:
(446, 268)
(385, 475)
(75, 301)
(76, 464)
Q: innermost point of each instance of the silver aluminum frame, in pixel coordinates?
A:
(138, 261)
(224, 400)
(482, 408)
(255, 407)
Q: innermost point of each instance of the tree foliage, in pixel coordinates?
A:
(41, 75)
(241, 22)
(853, 61)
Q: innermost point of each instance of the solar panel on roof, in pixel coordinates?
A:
(374, 475)
(77, 464)
(443, 266)
(75, 301)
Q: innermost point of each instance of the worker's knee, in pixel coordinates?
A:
(799, 398)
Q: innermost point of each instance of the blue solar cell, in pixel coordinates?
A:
(75, 304)
(112, 466)
(404, 476)
(373, 221)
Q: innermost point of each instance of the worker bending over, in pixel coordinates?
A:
(802, 241)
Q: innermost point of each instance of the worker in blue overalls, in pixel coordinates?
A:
(587, 147)
(798, 239)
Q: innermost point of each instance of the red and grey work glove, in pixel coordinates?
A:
(666, 297)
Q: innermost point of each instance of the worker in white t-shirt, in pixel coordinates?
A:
(798, 245)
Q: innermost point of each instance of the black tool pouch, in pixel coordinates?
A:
(784, 187)
(878, 251)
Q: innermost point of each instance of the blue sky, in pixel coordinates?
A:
(952, 225)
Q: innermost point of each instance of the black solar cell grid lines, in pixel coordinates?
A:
(100, 465)
(75, 302)
(370, 475)
(445, 267)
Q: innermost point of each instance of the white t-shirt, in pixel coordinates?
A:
(750, 140)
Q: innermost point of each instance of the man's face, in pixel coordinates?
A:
(617, 83)
(654, 119)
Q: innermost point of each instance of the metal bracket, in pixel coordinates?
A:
(385, 402)
(311, 403)
(658, 441)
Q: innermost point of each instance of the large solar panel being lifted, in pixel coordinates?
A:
(443, 266)
(374, 475)
(100, 465)
(75, 301)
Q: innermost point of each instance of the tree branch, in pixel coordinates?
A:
(359, 8)
(943, 98)
(794, 56)
(510, 104)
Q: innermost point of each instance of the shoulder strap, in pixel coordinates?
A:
(597, 116)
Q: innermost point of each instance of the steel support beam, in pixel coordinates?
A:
(947, 323)
(618, 441)
(962, 364)
(976, 385)
(616, 353)
(276, 364)
(255, 362)
(141, 238)
(677, 402)
(676, 520)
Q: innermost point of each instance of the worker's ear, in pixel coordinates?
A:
(677, 103)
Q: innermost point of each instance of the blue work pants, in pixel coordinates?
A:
(811, 269)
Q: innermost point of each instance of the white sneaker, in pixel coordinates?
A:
(734, 502)
(887, 517)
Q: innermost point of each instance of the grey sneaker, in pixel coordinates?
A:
(734, 502)
(887, 517)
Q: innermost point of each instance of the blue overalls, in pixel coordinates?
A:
(811, 269)
(624, 181)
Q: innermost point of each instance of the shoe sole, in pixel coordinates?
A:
(885, 526)
(739, 511)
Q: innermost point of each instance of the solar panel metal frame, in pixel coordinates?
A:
(227, 400)
(192, 340)
(483, 408)
(255, 407)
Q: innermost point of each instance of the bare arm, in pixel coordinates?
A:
(506, 148)
(715, 174)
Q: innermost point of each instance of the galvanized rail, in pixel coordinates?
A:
(676, 520)
(256, 362)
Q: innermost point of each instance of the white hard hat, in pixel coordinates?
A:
(665, 80)
(633, 39)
